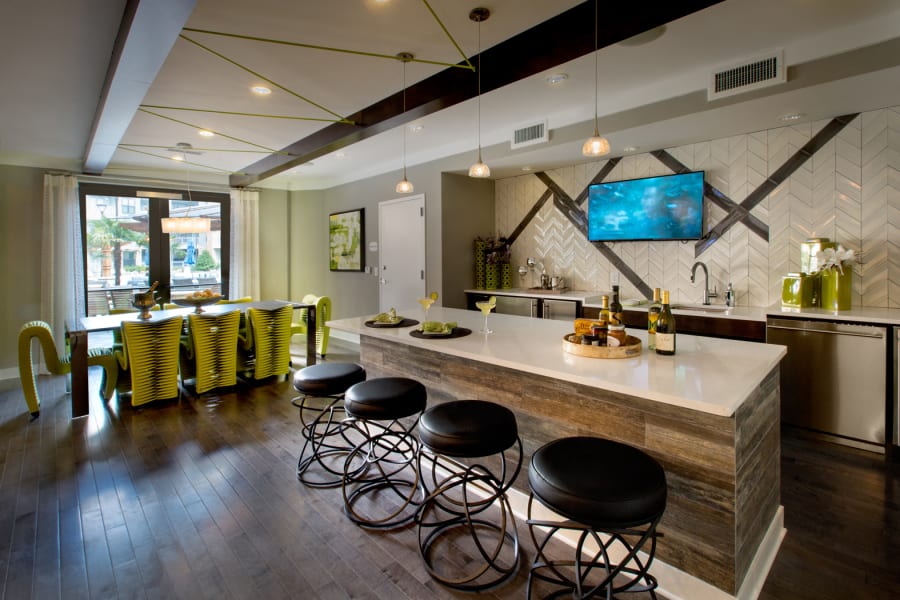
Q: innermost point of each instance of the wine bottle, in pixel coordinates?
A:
(652, 316)
(665, 328)
(615, 308)
(602, 324)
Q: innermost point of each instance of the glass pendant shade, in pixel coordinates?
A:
(186, 225)
(479, 169)
(595, 145)
(404, 186)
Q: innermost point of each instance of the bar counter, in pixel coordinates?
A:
(709, 414)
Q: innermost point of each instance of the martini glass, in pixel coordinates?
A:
(426, 304)
(485, 306)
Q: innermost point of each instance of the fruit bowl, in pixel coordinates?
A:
(198, 302)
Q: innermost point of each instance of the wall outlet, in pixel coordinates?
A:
(613, 278)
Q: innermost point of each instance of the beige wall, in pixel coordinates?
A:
(21, 202)
(447, 198)
(467, 213)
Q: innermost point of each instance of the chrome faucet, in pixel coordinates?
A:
(706, 293)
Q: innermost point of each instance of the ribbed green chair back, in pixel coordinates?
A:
(214, 348)
(150, 353)
(323, 314)
(269, 334)
(56, 364)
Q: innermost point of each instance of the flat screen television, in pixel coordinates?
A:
(668, 207)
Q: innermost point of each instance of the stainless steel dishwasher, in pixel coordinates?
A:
(834, 378)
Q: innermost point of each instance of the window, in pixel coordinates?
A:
(125, 249)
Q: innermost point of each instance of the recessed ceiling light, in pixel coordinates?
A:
(791, 117)
(178, 158)
(206, 133)
(339, 155)
(526, 168)
(260, 90)
(630, 148)
(556, 78)
(416, 127)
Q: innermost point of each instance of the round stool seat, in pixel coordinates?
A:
(328, 379)
(598, 482)
(468, 428)
(385, 398)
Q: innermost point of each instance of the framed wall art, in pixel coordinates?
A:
(346, 240)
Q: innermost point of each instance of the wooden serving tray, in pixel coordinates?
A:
(631, 348)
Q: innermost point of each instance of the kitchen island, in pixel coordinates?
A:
(709, 414)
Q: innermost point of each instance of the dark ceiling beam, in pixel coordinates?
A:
(560, 39)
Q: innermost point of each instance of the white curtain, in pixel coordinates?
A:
(62, 262)
(244, 274)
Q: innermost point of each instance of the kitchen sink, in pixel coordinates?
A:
(701, 308)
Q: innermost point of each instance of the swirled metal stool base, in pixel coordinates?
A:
(597, 575)
(452, 507)
(385, 461)
(326, 442)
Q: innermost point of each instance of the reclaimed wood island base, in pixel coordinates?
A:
(709, 415)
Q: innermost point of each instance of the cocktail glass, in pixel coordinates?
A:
(485, 307)
(426, 304)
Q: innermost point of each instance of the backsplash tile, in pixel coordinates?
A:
(848, 191)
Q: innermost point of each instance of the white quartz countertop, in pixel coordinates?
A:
(573, 295)
(716, 311)
(706, 374)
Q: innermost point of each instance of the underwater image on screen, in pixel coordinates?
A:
(668, 207)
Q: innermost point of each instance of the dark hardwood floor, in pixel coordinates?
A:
(198, 498)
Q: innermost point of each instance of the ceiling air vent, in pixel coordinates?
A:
(752, 74)
(535, 133)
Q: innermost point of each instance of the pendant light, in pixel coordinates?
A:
(596, 145)
(404, 186)
(186, 224)
(479, 168)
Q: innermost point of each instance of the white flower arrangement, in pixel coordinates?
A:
(835, 259)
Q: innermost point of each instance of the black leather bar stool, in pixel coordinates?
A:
(599, 487)
(463, 545)
(382, 467)
(325, 444)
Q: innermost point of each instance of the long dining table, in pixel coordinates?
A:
(78, 338)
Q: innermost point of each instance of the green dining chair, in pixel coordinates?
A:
(58, 365)
(209, 356)
(265, 348)
(323, 314)
(149, 355)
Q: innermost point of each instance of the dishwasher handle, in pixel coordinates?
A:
(828, 331)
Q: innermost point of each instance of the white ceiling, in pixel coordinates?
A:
(842, 56)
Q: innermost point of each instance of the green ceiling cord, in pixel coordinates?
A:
(195, 126)
(339, 118)
(243, 114)
(252, 38)
(185, 162)
(205, 149)
(468, 65)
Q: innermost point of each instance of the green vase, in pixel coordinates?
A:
(836, 289)
(490, 276)
(505, 276)
(480, 247)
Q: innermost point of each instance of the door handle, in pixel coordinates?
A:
(382, 281)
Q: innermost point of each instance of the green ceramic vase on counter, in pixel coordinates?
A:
(836, 289)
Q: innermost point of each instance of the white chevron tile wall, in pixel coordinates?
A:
(848, 191)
